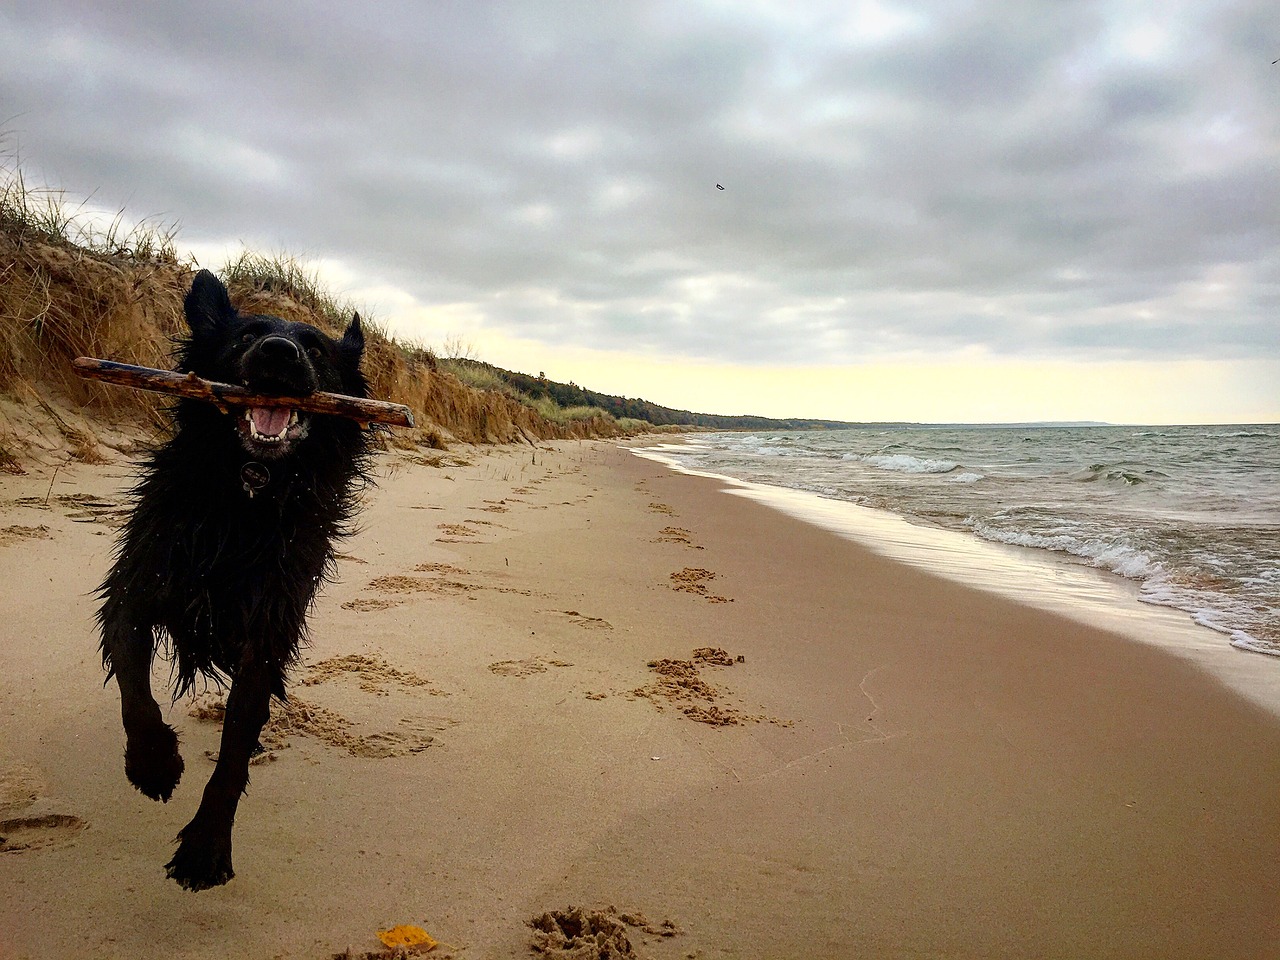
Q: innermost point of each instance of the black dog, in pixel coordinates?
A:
(231, 532)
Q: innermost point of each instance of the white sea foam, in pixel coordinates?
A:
(1242, 641)
(1197, 545)
(1188, 513)
(1118, 558)
(905, 463)
(1238, 638)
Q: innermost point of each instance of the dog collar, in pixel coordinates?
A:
(254, 477)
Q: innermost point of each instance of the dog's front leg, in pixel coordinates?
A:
(203, 857)
(151, 758)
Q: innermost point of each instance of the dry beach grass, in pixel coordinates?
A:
(70, 287)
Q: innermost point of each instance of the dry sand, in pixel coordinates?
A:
(552, 683)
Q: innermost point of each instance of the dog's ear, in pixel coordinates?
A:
(207, 305)
(353, 340)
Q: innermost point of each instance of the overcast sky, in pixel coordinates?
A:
(1013, 209)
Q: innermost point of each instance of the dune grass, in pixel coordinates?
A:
(76, 283)
(482, 376)
(291, 277)
(48, 215)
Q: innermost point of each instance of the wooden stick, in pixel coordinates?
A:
(226, 394)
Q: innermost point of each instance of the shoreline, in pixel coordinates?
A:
(906, 766)
(1039, 578)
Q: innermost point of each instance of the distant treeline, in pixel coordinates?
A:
(572, 395)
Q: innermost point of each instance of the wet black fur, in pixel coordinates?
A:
(225, 580)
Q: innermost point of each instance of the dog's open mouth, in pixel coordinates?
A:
(271, 430)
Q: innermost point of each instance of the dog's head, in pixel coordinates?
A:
(270, 356)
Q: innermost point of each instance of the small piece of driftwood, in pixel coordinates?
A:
(226, 394)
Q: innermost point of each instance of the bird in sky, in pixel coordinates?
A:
(718, 187)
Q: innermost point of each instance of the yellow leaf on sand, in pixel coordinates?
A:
(407, 935)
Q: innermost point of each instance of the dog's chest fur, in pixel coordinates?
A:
(222, 570)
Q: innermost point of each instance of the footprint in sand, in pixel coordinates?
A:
(450, 586)
(694, 580)
(21, 787)
(582, 620)
(430, 724)
(308, 720)
(578, 932)
(17, 533)
(444, 583)
(366, 604)
(662, 508)
(440, 568)
(298, 717)
(680, 683)
(47, 832)
(389, 584)
(82, 508)
(464, 532)
(398, 583)
(382, 746)
(438, 460)
(525, 668)
(455, 533)
(373, 674)
(677, 535)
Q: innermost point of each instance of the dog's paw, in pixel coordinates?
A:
(200, 864)
(152, 762)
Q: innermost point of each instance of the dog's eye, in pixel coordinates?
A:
(246, 338)
(314, 353)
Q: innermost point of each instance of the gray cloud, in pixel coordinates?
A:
(1034, 178)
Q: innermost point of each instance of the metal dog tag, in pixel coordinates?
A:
(254, 476)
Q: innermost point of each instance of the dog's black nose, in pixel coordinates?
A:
(279, 348)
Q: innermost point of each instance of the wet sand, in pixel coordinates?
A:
(573, 678)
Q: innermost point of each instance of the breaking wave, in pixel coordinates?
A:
(905, 463)
(1127, 561)
(1193, 519)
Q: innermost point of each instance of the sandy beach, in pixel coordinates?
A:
(571, 677)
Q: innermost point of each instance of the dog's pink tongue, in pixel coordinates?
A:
(270, 421)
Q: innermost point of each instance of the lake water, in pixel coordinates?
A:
(1189, 516)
